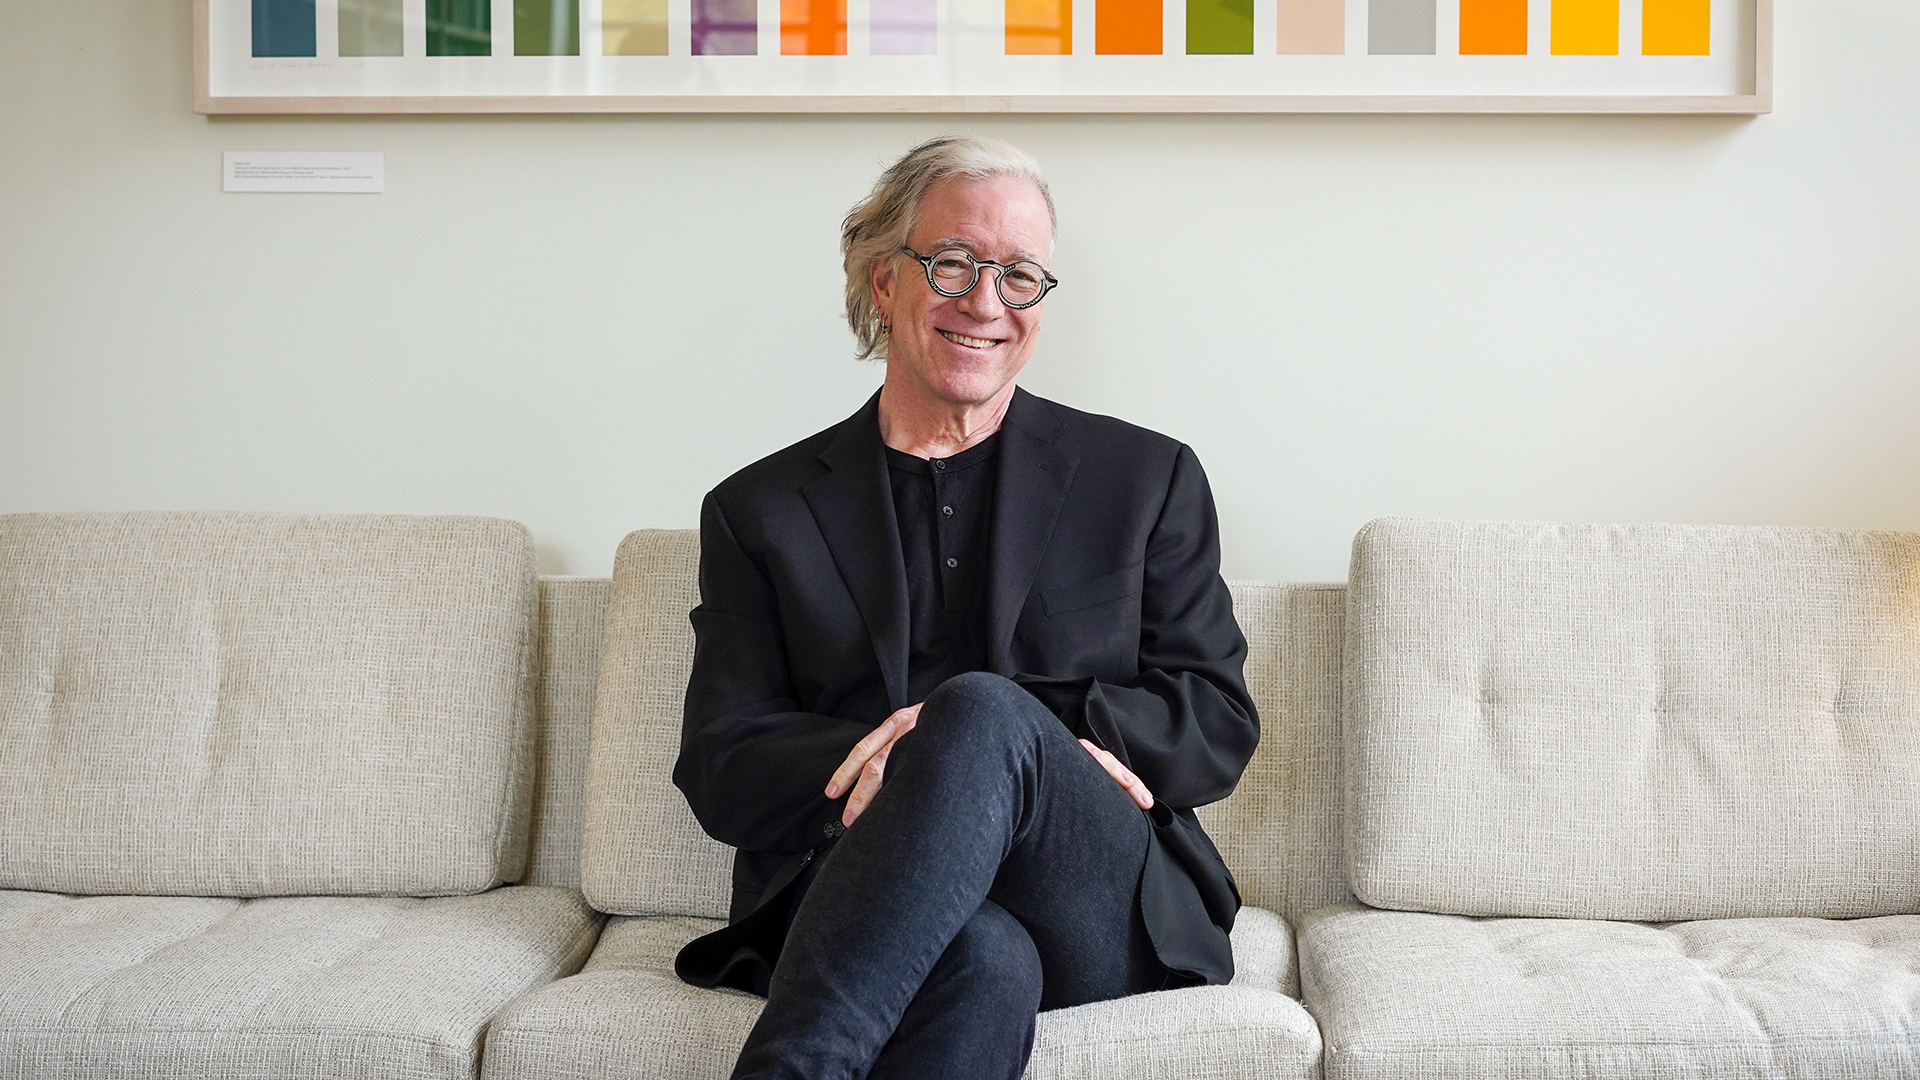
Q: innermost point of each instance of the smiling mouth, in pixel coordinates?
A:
(969, 342)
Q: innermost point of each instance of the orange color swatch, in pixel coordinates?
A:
(1039, 27)
(1123, 27)
(1493, 27)
(1675, 28)
(1586, 27)
(813, 27)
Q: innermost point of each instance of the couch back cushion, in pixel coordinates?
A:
(1645, 722)
(645, 854)
(1280, 829)
(260, 704)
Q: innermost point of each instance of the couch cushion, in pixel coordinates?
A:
(1444, 997)
(327, 987)
(573, 615)
(263, 704)
(626, 1015)
(643, 853)
(1633, 721)
(1280, 829)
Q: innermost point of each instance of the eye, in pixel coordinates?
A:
(952, 262)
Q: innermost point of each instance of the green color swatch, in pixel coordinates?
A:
(370, 27)
(546, 28)
(459, 28)
(1219, 26)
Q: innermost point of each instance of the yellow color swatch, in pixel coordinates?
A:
(1586, 27)
(634, 28)
(1676, 28)
(1039, 27)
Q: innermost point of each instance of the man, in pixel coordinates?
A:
(965, 664)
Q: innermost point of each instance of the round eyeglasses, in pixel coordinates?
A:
(954, 272)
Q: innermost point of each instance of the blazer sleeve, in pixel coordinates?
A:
(753, 764)
(1185, 723)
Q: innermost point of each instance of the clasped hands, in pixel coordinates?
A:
(866, 764)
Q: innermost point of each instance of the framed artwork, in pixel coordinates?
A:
(1058, 56)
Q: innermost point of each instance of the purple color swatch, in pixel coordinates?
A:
(904, 28)
(725, 28)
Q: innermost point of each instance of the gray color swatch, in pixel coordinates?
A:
(1404, 27)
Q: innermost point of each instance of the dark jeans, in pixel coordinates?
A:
(993, 876)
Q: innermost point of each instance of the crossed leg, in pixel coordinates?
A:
(993, 876)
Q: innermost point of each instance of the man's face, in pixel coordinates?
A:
(963, 350)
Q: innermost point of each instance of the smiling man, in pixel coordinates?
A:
(964, 667)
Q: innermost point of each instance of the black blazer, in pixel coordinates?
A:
(1104, 600)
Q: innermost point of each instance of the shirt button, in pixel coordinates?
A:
(947, 510)
(951, 563)
(941, 465)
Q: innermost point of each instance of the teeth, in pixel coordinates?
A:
(973, 342)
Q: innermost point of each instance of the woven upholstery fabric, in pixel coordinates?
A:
(626, 1015)
(1443, 997)
(262, 704)
(644, 854)
(1653, 722)
(1280, 830)
(325, 987)
(573, 614)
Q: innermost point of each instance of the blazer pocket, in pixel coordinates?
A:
(1092, 592)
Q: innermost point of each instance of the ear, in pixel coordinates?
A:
(880, 282)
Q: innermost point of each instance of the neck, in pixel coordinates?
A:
(912, 424)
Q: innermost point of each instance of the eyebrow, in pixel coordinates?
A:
(970, 247)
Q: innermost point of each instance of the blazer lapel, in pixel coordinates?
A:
(1035, 474)
(853, 506)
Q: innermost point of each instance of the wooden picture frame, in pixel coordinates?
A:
(347, 61)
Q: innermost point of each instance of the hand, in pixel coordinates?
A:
(867, 763)
(1121, 775)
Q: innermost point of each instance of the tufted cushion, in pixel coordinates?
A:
(261, 704)
(644, 854)
(1442, 997)
(1633, 722)
(326, 987)
(626, 1015)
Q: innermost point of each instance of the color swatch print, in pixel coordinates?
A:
(373, 28)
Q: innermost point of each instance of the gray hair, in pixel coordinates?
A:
(878, 227)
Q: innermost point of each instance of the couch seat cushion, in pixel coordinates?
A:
(626, 1015)
(1449, 997)
(338, 987)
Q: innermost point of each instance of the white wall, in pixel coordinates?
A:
(564, 320)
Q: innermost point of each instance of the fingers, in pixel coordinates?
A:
(1136, 789)
(876, 740)
(867, 787)
(890, 729)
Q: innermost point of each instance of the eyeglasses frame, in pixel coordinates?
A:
(1047, 283)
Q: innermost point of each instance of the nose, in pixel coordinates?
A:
(983, 300)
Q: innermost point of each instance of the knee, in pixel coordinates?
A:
(994, 957)
(984, 702)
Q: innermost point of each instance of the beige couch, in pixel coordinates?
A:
(1622, 784)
